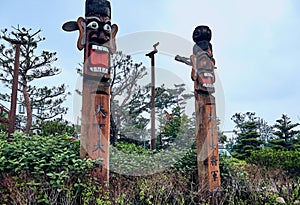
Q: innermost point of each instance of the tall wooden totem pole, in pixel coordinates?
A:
(203, 65)
(97, 38)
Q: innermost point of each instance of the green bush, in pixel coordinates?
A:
(285, 160)
(55, 127)
(44, 170)
(3, 128)
(48, 170)
(130, 159)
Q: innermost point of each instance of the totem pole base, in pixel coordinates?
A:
(207, 143)
(94, 143)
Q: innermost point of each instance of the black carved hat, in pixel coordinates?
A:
(201, 33)
(201, 36)
(101, 7)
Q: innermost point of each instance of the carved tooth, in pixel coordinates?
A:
(104, 70)
(100, 48)
(94, 47)
(99, 70)
(208, 75)
(105, 49)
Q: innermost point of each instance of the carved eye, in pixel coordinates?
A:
(93, 25)
(107, 28)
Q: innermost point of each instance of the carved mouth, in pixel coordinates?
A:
(207, 79)
(99, 59)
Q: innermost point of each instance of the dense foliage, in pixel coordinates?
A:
(48, 170)
(285, 136)
(55, 127)
(285, 160)
(247, 135)
(41, 170)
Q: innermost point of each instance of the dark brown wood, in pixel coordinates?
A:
(14, 93)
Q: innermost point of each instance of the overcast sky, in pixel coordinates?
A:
(256, 44)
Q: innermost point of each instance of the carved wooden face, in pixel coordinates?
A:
(97, 36)
(100, 45)
(203, 72)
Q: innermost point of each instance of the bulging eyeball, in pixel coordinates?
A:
(107, 28)
(93, 25)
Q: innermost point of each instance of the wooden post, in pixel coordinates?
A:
(14, 93)
(203, 65)
(207, 142)
(97, 38)
(151, 55)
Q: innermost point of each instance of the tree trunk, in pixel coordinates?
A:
(113, 131)
(28, 109)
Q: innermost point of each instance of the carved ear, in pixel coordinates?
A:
(70, 26)
(81, 24)
(114, 31)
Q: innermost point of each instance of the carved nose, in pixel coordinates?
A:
(103, 36)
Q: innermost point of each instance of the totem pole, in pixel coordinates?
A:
(203, 65)
(97, 38)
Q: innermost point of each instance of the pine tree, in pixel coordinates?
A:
(286, 137)
(247, 135)
(32, 67)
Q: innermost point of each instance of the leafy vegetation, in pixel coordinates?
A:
(48, 170)
(41, 170)
(55, 127)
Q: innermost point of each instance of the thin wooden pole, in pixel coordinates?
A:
(14, 96)
(13, 103)
(151, 55)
